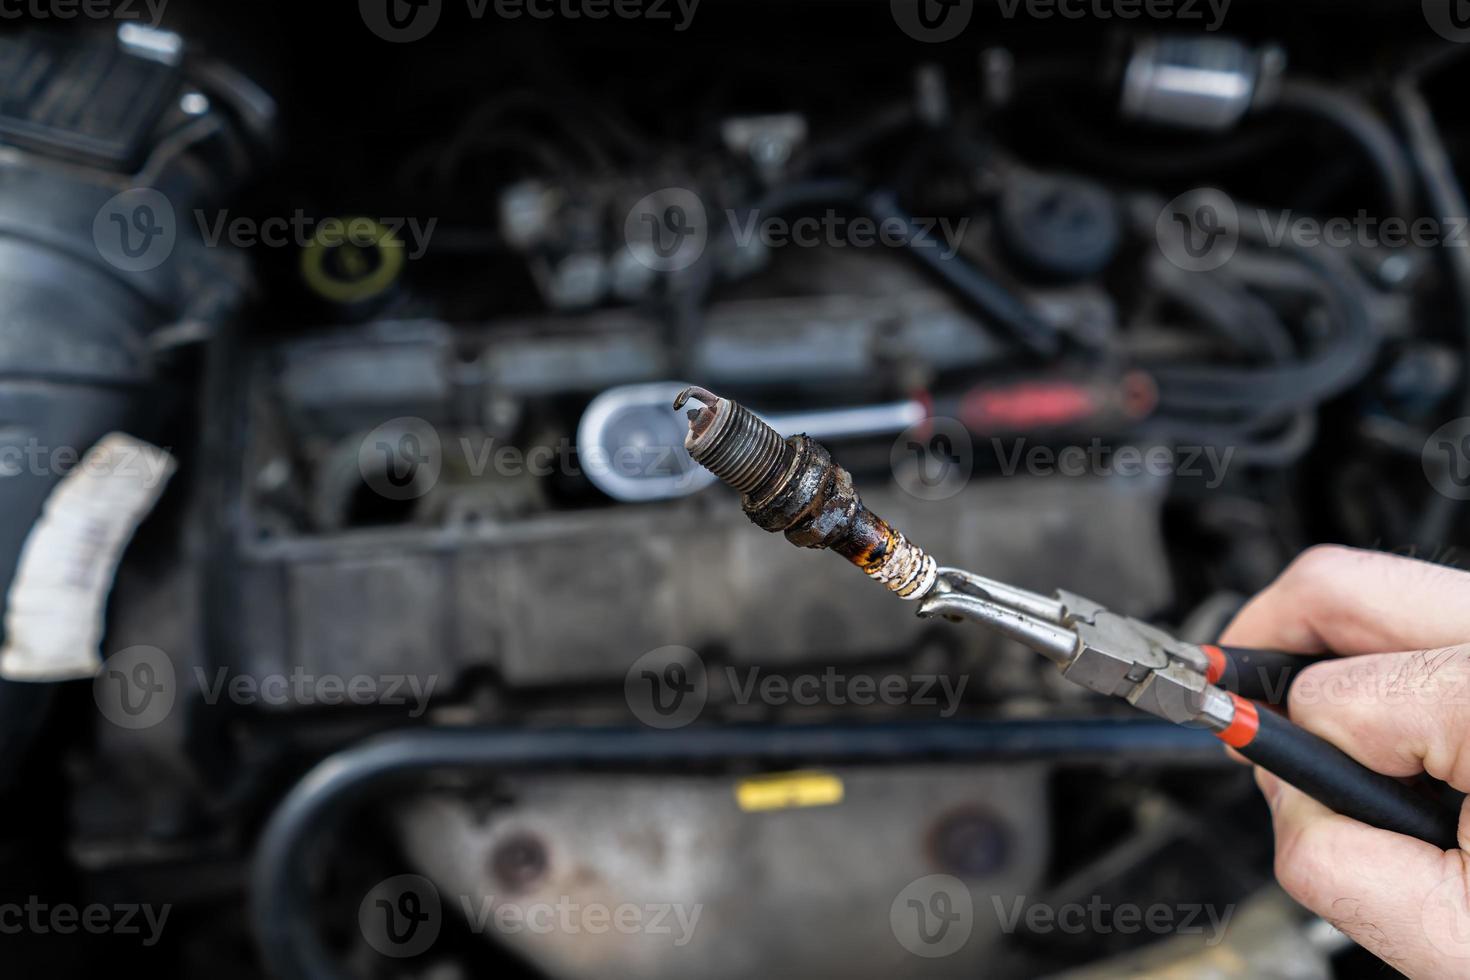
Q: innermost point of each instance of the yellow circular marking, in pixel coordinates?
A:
(360, 235)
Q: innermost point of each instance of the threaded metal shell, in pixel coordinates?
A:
(739, 448)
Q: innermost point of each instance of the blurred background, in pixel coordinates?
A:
(366, 617)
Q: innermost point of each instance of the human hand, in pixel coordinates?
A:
(1398, 701)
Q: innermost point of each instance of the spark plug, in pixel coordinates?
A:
(793, 486)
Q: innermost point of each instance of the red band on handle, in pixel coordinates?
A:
(1216, 656)
(1243, 726)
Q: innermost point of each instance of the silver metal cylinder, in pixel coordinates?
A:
(1197, 83)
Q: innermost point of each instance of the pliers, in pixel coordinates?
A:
(792, 485)
(1181, 682)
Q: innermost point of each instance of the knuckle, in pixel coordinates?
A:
(1319, 564)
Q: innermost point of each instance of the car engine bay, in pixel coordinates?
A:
(1138, 307)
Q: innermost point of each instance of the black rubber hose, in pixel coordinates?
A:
(1247, 444)
(1226, 307)
(1333, 778)
(1347, 356)
(281, 900)
(75, 357)
(1226, 304)
(1366, 128)
(1447, 198)
(993, 300)
(72, 369)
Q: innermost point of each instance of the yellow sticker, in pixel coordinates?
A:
(783, 790)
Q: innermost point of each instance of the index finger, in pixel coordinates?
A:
(1350, 601)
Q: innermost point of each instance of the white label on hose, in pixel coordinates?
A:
(54, 613)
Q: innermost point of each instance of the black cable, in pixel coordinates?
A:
(1348, 114)
(1246, 444)
(1224, 302)
(1226, 307)
(1447, 199)
(1366, 128)
(1348, 356)
(993, 300)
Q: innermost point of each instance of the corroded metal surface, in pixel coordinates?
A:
(795, 487)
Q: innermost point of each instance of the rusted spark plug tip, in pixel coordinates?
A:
(700, 419)
(698, 394)
(793, 486)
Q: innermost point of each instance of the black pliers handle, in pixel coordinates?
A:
(1181, 682)
(1261, 675)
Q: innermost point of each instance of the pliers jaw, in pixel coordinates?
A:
(1026, 617)
(1100, 650)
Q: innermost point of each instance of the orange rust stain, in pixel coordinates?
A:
(875, 548)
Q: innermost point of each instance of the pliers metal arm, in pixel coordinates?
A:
(1125, 657)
